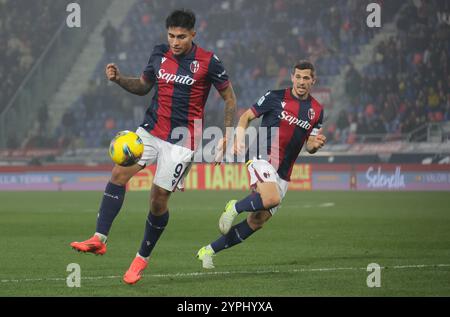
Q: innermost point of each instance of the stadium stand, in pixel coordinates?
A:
(22, 39)
(406, 85)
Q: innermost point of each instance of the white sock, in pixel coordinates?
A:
(102, 237)
(142, 257)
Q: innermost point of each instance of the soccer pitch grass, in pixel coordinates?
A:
(318, 244)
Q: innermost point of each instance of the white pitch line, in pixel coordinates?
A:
(327, 205)
(309, 205)
(191, 274)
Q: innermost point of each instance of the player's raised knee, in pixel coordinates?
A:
(121, 175)
(118, 177)
(270, 201)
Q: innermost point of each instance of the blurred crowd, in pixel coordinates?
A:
(407, 84)
(26, 27)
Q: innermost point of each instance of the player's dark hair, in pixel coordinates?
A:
(182, 18)
(304, 64)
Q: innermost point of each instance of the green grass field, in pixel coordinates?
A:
(318, 244)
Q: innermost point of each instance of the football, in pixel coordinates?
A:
(126, 148)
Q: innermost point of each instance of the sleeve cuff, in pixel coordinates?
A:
(314, 132)
(254, 111)
(222, 86)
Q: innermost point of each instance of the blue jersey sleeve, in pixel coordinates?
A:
(265, 104)
(149, 73)
(217, 74)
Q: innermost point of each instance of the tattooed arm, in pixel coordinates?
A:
(230, 105)
(137, 86)
(230, 111)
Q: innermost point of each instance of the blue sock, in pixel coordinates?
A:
(154, 227)
(252, 202)
(112, 202)
(237, 234)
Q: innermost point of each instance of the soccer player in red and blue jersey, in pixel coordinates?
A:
(181, 74)
(298, 117)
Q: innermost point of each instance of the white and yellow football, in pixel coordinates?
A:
(126, 148)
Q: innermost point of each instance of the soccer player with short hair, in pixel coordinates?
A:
(298, 117)
(182, 74)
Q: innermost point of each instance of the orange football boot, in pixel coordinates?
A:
(134, 273)
(92, 245)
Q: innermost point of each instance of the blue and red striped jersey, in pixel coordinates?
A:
(295, 119)
(182, 85)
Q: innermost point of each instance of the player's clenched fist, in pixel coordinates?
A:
(112, 72)
(319, 140)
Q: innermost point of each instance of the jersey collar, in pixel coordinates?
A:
(188, 54)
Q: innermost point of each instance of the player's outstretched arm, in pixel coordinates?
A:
(244, 122)
(316, 142)
(137, 86)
